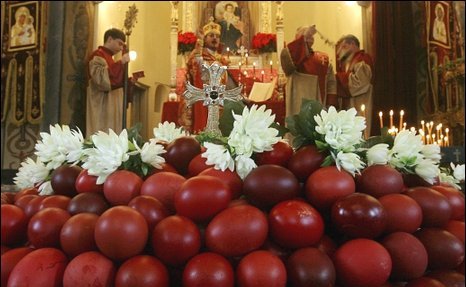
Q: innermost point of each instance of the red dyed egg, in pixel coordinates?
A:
(270, 184)
(115, 227)
(208, 269)
(295, 224)
(310, 267)
(151, 208)
(362, 262)
(163, 186)
(436, 210)
(44, 227)
(89, 269)
(14, 225)
(228, 177)
(121, 186)
(380, 180)
(403, 213)
(326, 185)
(89, 202)
(142, 271)
(261, 268)
(63, 179)
(305, 161)
(77, 234)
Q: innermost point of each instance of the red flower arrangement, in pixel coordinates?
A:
(265, 42)
(186, 42)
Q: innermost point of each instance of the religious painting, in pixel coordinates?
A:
(438, 21)
(228, 15)
(23, 26)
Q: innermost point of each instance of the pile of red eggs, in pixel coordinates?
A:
(290, 222)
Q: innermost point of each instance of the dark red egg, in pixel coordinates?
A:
(44, 227)
(197, 165)
(10, 259)
(175, 240)
(270, 184)
(359, 215)
(305, 161)
(456, 200)
(409, 256)
(77, 234)
(142, 271)
(63, 179)
(88, 202)
(456, 228)
(151, 208)
(14, 225)
(26, 191)
(403, 213)
(208, 269)
(59, 201)
(445, 250)
(436, 210)
(449, 278)
(181, 151)
(380, 180)
(310, 267)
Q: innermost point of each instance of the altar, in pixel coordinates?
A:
(240, 74)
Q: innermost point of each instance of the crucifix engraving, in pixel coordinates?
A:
(213, 94)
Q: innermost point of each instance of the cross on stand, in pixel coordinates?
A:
(213, 94)
(242, 51)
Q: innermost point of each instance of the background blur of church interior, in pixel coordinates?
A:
(44, 80)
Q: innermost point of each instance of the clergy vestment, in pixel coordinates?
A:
(310, 76)
(354, 84)
(104, 93)
(197, 122)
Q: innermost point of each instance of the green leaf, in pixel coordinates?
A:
(372, 141)
(281, 129)
(226, 119)
(291, 124)
(145, 169)
(328, 161)
(321, 145)
(211, 137)
(134, 133)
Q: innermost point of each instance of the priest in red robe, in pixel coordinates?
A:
(310, 74)
(354, 76)
(194, 119)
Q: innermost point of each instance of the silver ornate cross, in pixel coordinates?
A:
(213, 94)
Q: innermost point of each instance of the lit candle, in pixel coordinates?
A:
(391, 118)
(254, 70)
(271, 67)
(247, 56)
(427, 139)
(437, 128)
(363, 110)
(422, 125)
(239, 67)
(381, 120)
(404, 126)
(262, 75)
(402, 113)
(228, 53)
(446, 137)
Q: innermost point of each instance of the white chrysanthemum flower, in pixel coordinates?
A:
(350, 162)
(242, 144)
(378, 154)
(449, 179)
(150, 153)
(432, 152)
(458, 171)
(428, 170)
(31, 173)
(244, 165)
(218, 156)
(109, 153)
(168, 132)
(46, 188)
(407, 145)
(61, 145)
(342, 130)
(252, 130)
